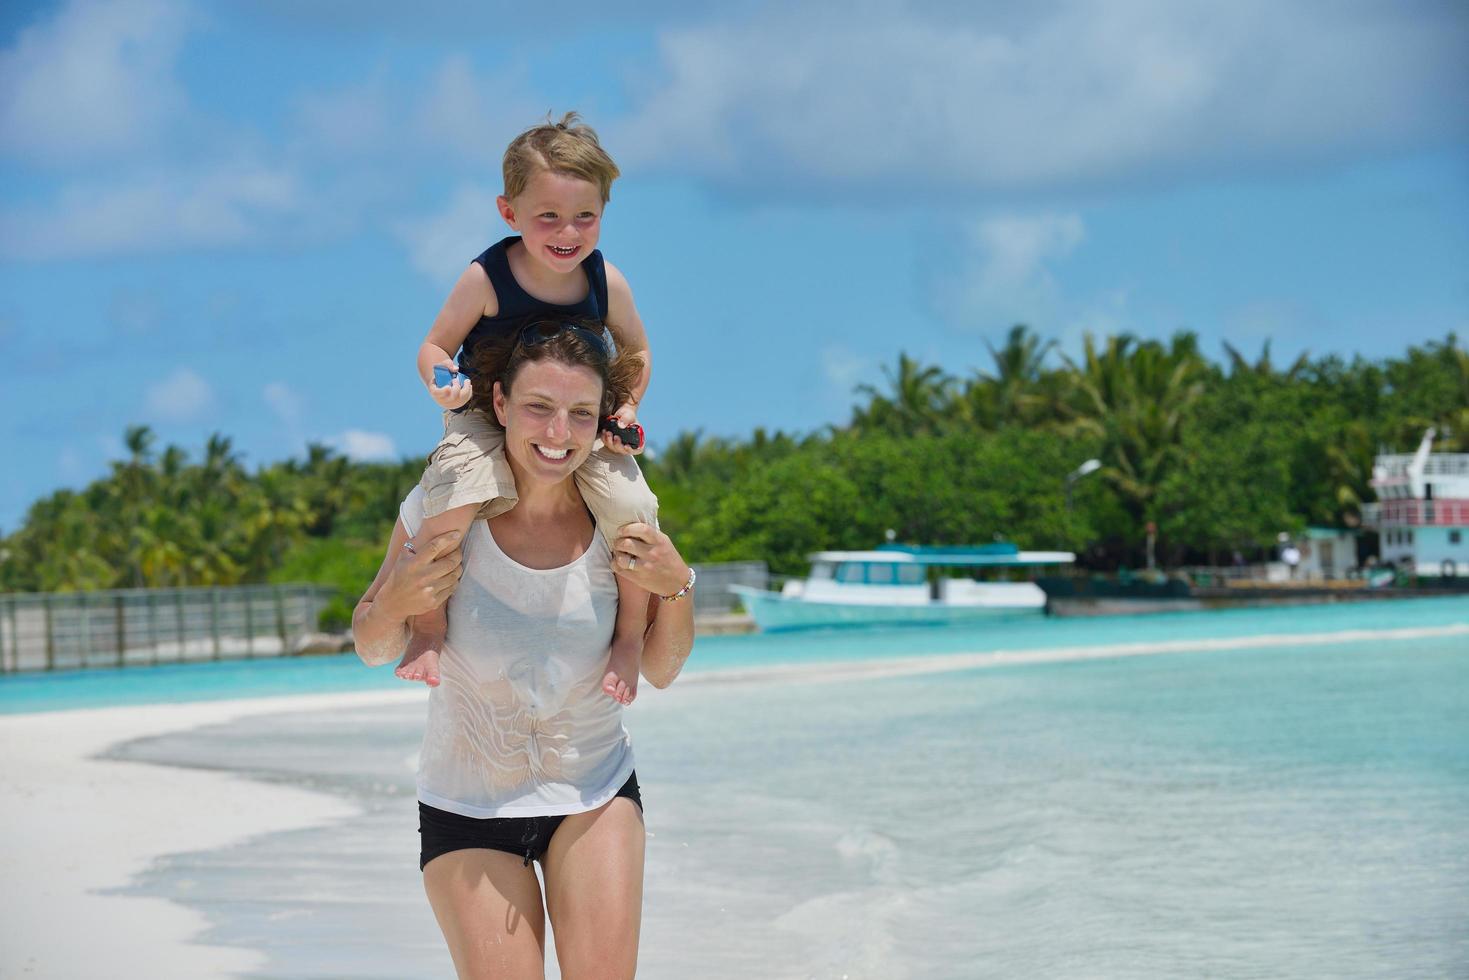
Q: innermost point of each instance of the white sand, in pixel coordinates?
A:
(75, 825)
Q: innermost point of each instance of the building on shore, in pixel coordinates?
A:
(1422, 510)
(1327, 553)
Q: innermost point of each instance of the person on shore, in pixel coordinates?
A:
(524, 758)
(558, 180)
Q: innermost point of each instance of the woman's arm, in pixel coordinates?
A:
(657, 567)
(405, 585)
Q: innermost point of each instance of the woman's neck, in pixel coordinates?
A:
(545, 501)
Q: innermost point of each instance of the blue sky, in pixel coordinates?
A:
(242, 216)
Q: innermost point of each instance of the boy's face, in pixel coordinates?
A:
(559, 217)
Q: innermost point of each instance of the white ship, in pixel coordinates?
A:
(901, 584)
(1422, 511)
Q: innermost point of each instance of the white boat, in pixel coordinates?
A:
(901, 584)
(1421, 515)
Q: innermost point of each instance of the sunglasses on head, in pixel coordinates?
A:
(537, 333)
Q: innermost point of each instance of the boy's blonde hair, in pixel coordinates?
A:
(568, 147)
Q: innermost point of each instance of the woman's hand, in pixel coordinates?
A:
(419, 583)
(646, 557)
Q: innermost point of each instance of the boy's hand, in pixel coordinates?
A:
(627, 417)
(456, 393)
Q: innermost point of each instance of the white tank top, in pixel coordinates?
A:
(519, 725)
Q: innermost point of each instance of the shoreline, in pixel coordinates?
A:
(79, 825)
(83, 825)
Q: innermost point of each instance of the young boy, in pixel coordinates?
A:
(558, 179)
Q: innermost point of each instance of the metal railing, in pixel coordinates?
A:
(1416, 512)
(125, 627)
(712, 596)
(1437, 464)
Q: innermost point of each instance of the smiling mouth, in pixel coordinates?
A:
(553, 455)
(564, 251)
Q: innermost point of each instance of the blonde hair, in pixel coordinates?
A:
(568, 147)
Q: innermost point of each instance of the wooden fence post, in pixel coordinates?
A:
(249, 624)
(50, 633)
(153, 625)
(86, 653)
(178, 608)
(121, 624)
(280, 618)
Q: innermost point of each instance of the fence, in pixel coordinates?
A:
(128, 627)
(712, 596)
(124, 627)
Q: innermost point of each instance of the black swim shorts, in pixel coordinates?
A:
(442, 832)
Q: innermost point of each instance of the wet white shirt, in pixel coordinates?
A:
(519, 725)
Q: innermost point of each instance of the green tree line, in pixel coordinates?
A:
(1220, 455)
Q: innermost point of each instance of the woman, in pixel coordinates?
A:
(525, 757)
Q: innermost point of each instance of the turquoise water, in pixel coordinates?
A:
(318, 674)
(1294, 811)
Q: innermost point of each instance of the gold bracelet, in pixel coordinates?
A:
(687, 588)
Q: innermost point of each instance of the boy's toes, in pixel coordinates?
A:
(431, 678)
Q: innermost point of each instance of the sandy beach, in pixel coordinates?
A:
(1089, 760)
(77, 826)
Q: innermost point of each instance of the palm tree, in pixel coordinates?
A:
(1263, 369)
(1135, 397)
(919, 400)
(1008, 395)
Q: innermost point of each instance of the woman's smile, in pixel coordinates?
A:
(554, 455)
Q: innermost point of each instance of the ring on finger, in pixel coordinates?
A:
(408, 547)
(632, 562)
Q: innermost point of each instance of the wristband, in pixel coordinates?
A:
(687, 588)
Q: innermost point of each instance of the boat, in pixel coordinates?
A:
(897, 584)
(1421, 514)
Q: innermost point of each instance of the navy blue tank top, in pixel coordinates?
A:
(516, 305)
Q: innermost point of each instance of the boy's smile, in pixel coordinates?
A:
(559, 218)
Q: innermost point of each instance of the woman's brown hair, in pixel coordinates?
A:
(580, 341)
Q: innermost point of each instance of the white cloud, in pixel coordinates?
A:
(842, 368)
(182, 396)
(365, 445)
(1014, 248)
(441, 245)
(284, 401)
(1075, 93)
(351, 120)
(136, 311)
(70, 466)
(1003, 275)
(154, 212)
(454, 116)
(97, 77)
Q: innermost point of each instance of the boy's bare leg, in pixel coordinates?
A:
(625, 660)
(426, 631)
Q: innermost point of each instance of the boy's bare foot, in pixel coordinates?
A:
(621, 682)
(421, 660)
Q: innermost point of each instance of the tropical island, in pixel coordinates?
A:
(1219, 456)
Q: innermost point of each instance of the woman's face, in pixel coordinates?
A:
(550, 417)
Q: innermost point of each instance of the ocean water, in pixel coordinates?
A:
(47, 691)
(1291, 808)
